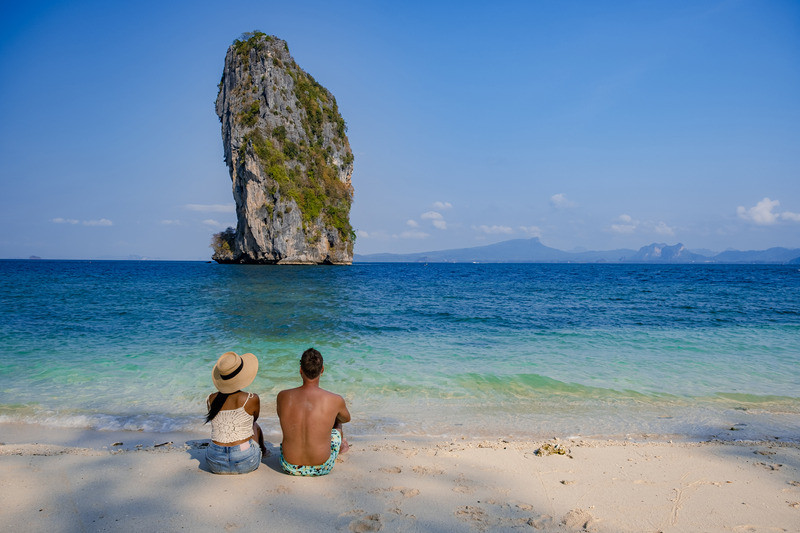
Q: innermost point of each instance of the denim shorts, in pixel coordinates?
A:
(233, 459)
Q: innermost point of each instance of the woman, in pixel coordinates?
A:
(237, 443)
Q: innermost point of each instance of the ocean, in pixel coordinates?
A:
(689, 352)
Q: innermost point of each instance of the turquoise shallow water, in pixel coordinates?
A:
(534, 350)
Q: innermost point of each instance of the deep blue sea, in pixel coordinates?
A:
(526, 350)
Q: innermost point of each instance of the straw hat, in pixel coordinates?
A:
(234, 372)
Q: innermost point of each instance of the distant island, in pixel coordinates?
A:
(533, 251)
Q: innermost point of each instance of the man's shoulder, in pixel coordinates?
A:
(316, 394)
(287, 392)
(332, 396)
(326, 392)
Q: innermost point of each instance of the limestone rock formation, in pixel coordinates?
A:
(661, 253)
(289, 159)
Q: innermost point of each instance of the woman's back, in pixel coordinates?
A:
(234, 421)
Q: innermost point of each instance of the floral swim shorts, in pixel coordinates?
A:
(321, 470)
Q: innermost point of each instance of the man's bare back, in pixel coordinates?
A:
(307, 414)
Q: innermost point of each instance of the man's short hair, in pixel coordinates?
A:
(311, 363)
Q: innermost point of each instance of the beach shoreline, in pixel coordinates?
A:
(76, 480)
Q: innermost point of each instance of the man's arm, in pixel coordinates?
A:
(343, 416)
(279, 403)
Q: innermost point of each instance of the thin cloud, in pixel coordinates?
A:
(493, 230)
(213, 223)
(436, 219)
(623, 228)
(627, 225)
(170, 222)
(560, 201)
(761, 213)
(414, 235)
(101, 222)
(663, 229)
(211, 208)
(442, 205)
(412, 223)
(533, 231)
(72, 221)
(373, 235)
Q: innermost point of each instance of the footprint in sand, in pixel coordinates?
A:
(372, 522)
(425, 471)
(405, 492)
(470, 513)
(391, 470)
(773, 466)
(543, 522)
(464, 486)
(580, 520)
(409, 493)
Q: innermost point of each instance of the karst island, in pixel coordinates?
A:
(289, 160)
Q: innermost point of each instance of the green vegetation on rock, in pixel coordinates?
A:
(222, 244)
(319, 104)
(248, 41)
(249, 117)
(317, 190)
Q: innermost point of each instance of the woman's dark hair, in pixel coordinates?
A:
(216, 406)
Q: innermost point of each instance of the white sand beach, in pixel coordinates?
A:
(393, 484)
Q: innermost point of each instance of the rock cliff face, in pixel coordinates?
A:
(661, 253)
(289, 159)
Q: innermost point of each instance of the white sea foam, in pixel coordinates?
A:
(104, 422)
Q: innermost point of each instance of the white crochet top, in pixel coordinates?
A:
(232, 424)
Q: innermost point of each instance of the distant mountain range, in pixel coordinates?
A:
(533, 251)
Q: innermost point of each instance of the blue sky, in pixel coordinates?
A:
(592, 125)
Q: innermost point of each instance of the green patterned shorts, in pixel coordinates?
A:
(321, 470)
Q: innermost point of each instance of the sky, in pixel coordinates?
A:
(590, 125)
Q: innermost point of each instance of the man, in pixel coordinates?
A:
(311, 420)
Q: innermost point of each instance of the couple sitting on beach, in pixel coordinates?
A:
(311, 420)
